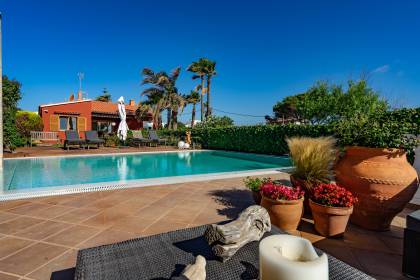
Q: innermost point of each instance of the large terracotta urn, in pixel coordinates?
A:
(382, 180)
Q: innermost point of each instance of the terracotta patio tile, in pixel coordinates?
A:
(378, 263)
(18, 224)
(4, 276)
(12, 204)
(340, 251)
(29, 209)
(393, 243)
(77, 215)
(78, 202)
(105, 218)
(73, 235)
(162, 226)
(30, 258)
(108, 236)
(5, 216)
(365, 241)
(42, 230)
(67, 260)
(133, 224)
(153, 212)
(51, 212)
(9, 245)
(57, 199)
(180, 215)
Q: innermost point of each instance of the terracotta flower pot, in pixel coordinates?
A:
(306, 186)
(382, 180)
(285, 214)
(330, 221)
(257, 197)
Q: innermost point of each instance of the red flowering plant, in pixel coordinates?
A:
(281, 192)
(333, 195)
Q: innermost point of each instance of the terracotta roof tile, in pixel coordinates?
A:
(109, 107)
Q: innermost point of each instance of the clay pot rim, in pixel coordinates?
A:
(332, 208)
(382, 150)
(283, 201)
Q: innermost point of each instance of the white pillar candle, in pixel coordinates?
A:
(288, 257)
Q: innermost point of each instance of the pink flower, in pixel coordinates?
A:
(333, 195)
(280, 192)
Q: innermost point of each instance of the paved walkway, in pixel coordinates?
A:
(39, 236)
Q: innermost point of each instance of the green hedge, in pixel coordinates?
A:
(380, 130)
(264, 139)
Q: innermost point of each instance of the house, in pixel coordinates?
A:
(86, 114)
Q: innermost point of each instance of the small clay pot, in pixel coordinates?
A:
(257, 197)
(330, 221)
(285, 214)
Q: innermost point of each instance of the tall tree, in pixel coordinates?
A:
(11, 96)
(199, 68)
(210, 70)
(193, 98)
(164, 94)
(104, 97)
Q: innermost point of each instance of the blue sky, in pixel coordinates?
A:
(265, 50)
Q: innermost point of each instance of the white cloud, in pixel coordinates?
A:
(381, 69)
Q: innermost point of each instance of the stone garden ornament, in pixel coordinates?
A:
(227, 239)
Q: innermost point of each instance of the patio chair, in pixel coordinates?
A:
(72, 138)
(92, 138)
(155, 138)
(165, 255)
(138, 138)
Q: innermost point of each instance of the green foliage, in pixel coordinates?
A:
(380, 130)
(215, 122)
(254, 184)
(264, 139)
(324, 103)
(26, 122)
(11, 96)
(111, 140)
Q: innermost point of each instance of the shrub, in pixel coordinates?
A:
(254, 184)
(312, 158)
(333, 195)
(281, 192)
(111, 140)
(27, 122)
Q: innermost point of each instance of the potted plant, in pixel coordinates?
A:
(254, 185)
(313, 159)
(331, 207)
(375, 168)
(283, 203)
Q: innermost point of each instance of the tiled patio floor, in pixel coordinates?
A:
(40, 236)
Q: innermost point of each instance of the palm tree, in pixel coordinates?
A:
(193, 98)
(210, 71)
(164, 94)
(198, 68)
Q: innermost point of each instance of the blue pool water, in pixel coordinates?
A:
(20, 174)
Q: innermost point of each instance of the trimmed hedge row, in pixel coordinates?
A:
(263, 139)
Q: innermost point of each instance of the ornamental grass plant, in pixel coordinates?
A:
(312, 158)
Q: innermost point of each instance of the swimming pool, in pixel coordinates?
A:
(65, 172)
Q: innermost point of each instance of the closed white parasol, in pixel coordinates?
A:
(122, 128)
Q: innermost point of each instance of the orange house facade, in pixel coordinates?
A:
(86, 114)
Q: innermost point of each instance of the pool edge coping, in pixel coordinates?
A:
(139, 183)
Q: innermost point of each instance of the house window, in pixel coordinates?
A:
(68, 123)
(102, 127)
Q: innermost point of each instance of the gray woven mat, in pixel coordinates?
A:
(165, 255)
